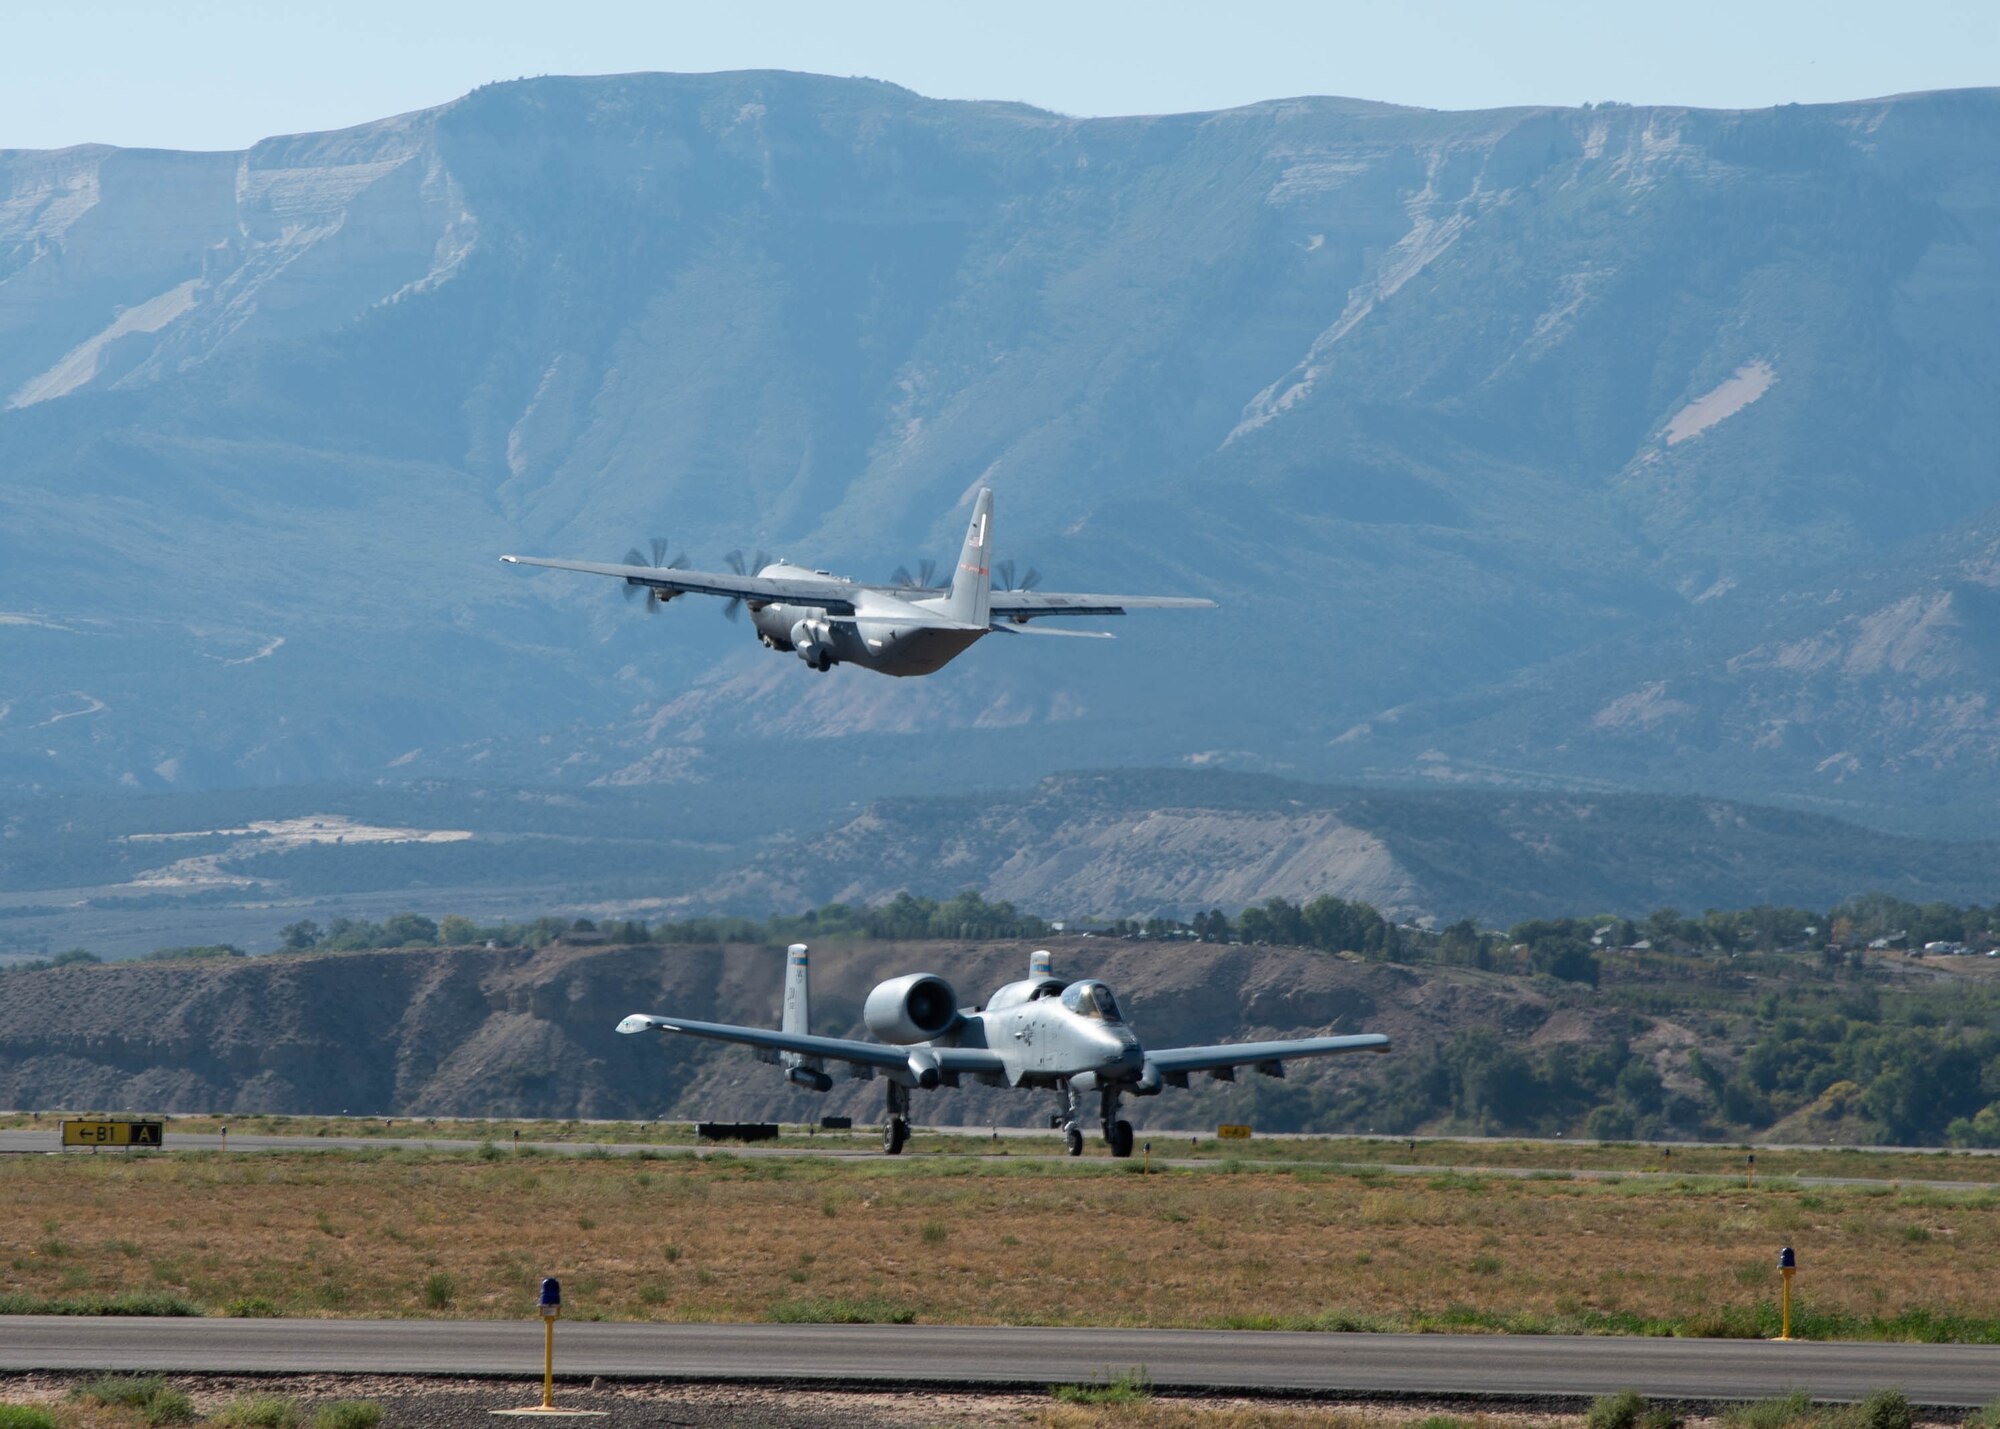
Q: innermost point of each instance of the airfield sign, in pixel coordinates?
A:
(1231, 1131)
(105, 1132)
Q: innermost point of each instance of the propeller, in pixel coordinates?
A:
(926, 573)
(635, 557)
(734, 609)
(1003, 577)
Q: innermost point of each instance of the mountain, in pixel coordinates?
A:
(1602, 448)
(123, 875)
(1133, 845)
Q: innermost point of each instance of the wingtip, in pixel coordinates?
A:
(637, 1022)
(512, 560)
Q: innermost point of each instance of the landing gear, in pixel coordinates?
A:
(1072, 1133)
(1117, 1132)
(896, 1134)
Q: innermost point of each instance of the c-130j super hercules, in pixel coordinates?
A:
(910, 628)
(1041, 1032)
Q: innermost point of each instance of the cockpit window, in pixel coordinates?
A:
(1092, 1000)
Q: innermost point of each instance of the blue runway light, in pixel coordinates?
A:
(1786, 1260)
(551, 1293)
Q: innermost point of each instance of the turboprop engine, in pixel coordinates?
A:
(912, 1008)
(810, 642)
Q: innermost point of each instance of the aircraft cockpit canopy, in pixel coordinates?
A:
(1092, 1000)
(1016, 993)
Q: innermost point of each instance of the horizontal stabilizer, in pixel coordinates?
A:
(1012, 629)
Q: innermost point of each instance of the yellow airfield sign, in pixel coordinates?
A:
(1230, 1131)
(105, 1132)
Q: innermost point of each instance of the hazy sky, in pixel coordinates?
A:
(223, 74)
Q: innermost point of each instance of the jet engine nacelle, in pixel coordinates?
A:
(912, 1008)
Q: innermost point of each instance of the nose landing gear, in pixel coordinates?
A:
(1071, 1131)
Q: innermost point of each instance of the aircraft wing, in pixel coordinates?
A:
(834, 597)
(866, 1054)
(1027, 604)
(1174, 1063)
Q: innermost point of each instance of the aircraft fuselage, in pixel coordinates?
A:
(886, 634)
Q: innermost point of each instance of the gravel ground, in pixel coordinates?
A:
(416, 1402)
(423, 1403)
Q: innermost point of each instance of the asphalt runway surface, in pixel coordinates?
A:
(966, 1141)
(1241, 1361)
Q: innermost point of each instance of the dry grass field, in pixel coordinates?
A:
(992, 1240)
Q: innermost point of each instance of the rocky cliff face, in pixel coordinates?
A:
(478, 1032)
(1502, 436)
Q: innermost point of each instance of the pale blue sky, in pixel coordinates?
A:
(226, 73)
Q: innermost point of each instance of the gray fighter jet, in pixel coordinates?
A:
(1041, 1032)
(909, 628)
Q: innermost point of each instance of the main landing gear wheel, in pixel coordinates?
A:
(895, 1136)
(1073, 1139)
(1121, 1138)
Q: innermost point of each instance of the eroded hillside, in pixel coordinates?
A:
(517, 1032)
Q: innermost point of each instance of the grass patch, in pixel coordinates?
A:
(1628, 1409)
(348, 1414)
(1884, 1409)
(26, 1416)
(439, 1291)
(1133, 1386)
(259, 1411)
(157, 1402)
(1781, 1412)
(251, 1307)
(872, 1310)
(130, 1303)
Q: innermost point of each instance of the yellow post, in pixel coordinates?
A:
(549, 1355)
(1788, 1265)
(1752, 1182)
(1149, 1158)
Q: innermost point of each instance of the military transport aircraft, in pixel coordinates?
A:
(1040, 1032)
(909, 628)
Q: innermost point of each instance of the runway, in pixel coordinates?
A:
(1498, 1366)
(844, 1148)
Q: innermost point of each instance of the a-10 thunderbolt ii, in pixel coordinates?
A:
(908, 628)
(1041, 1032)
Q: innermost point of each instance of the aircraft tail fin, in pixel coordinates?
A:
(1041, 963)
(797, 1015)
(801, 1069)
(970, 601)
